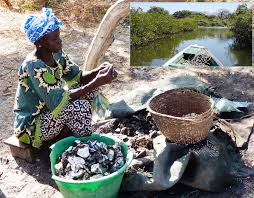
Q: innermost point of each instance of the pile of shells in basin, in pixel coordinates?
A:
(89, 160)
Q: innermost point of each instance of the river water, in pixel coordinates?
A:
(219, 41)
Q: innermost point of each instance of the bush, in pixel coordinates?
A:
(182, 14)
(158, 10)
(242, 29)
(146, 27)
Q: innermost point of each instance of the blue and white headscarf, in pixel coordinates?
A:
(37, 26)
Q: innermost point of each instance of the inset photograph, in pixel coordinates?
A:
(191, 34)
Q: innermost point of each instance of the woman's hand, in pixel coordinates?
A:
(89, 76)
(106, 75)
(103, 66)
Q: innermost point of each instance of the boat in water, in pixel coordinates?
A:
(194, 55)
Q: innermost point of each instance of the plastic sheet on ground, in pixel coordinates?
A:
(224, 105)
(238, 129)
(206, 165)
(135, 98)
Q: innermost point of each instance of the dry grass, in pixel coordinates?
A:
(23, 5)
(6, 3)
(86, 13)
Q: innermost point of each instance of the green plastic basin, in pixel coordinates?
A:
(105, 187)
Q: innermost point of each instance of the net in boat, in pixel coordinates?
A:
(202, 58)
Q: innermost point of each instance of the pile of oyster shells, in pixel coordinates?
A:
(139, 123)
(137, 131)
(89, 160)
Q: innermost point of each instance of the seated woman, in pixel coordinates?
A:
(43, 107)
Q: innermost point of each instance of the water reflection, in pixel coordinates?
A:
(218, 41)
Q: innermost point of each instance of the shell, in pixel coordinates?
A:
(102, 158)
(69, 149)
(59, 167)
(83, 152)
(77, 174)
(76, 160)
(97, 168)
(77, 141)
(111, 155)
(119, 162)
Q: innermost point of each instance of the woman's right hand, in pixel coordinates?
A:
(106, 75)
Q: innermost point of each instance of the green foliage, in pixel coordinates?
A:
(136, 10)
(159, 10)
(146, 27)
(242, 27)
(211, 17)
(209, 20)
(241, 9)
(182, 14)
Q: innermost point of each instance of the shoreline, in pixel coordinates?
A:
(213, 27)
(169, 35)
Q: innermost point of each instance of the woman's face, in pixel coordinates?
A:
(51, 42)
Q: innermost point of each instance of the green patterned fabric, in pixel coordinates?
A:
(62, 104)
(25, 138)
(100, 105)
(41, 88)
(74, 81)
(37, 134)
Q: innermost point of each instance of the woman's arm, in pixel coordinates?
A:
(89, 76)
(104, 76)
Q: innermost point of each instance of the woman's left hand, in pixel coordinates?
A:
(103, 66)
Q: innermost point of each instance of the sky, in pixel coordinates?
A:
(207, 7)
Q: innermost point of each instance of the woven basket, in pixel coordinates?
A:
(168, 108)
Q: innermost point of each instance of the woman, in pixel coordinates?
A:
(44, 108)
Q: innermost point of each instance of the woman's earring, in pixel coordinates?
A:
(39, 46)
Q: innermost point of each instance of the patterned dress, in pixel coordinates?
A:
(42, 106)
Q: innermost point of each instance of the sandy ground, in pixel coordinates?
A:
(21, 179)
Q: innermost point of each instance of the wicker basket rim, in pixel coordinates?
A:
(199, 117)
